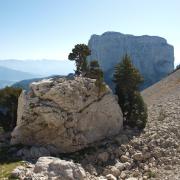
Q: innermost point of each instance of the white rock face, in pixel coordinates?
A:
(152, 55)
(68, 114)
(51, 168)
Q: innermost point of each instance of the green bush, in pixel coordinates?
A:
(138, 115)
(8, 107)
(92, 70)
(95, 72)
(177, 67)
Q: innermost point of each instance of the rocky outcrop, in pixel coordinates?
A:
(50, 168)
(153, 153)
(66, 114)
(152, 55)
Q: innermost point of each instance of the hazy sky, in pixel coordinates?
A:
(37, 29)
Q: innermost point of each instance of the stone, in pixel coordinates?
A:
(124, 158)
(120, 166)
(90, 168)
(146, 168)
(136, 173)
(123, 175)
(127, 165)
(103, 157)
(147, 155)
(19, 171)
(132, 178)
(152, 55)
(115, 171)
(33, 152)
(55, 168)
(138, 156)
(110, 177)
(67, 114)
(145, 177)
(102, 178)
(106, 171)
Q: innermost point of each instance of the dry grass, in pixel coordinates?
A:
(7, 168)
(7, 161)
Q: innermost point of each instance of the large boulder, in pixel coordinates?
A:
(68, 114)
(152, 55)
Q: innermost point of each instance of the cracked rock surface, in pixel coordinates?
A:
(151, 55)
(68, 114)
(50, 168)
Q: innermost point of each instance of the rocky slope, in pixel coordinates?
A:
(166, 87)
(133, 155)
(67, 114)
(152, 55)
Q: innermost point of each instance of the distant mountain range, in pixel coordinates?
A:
(41, 67)
(9, 76)
(12, 71)
(4, 83)
(25, 84)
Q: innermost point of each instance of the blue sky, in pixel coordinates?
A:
(38, 29)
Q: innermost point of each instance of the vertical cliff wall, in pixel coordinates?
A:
(152, 55)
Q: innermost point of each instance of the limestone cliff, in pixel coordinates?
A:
(152, 55)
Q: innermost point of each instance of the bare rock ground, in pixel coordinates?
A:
(68, 114)
(163, 100)
(153, 153)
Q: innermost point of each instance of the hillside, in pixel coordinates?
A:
(9, 76)
(164, 88)
(163, 100)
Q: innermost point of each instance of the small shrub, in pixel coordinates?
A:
(8, 107)
(162, 115)
(95, 72)
(151, 174)
(177, 67)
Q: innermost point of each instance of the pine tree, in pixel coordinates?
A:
(127, 80)
(79, 54)
(95, 72)
(138, 116)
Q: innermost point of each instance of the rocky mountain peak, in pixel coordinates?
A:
(152, 55)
